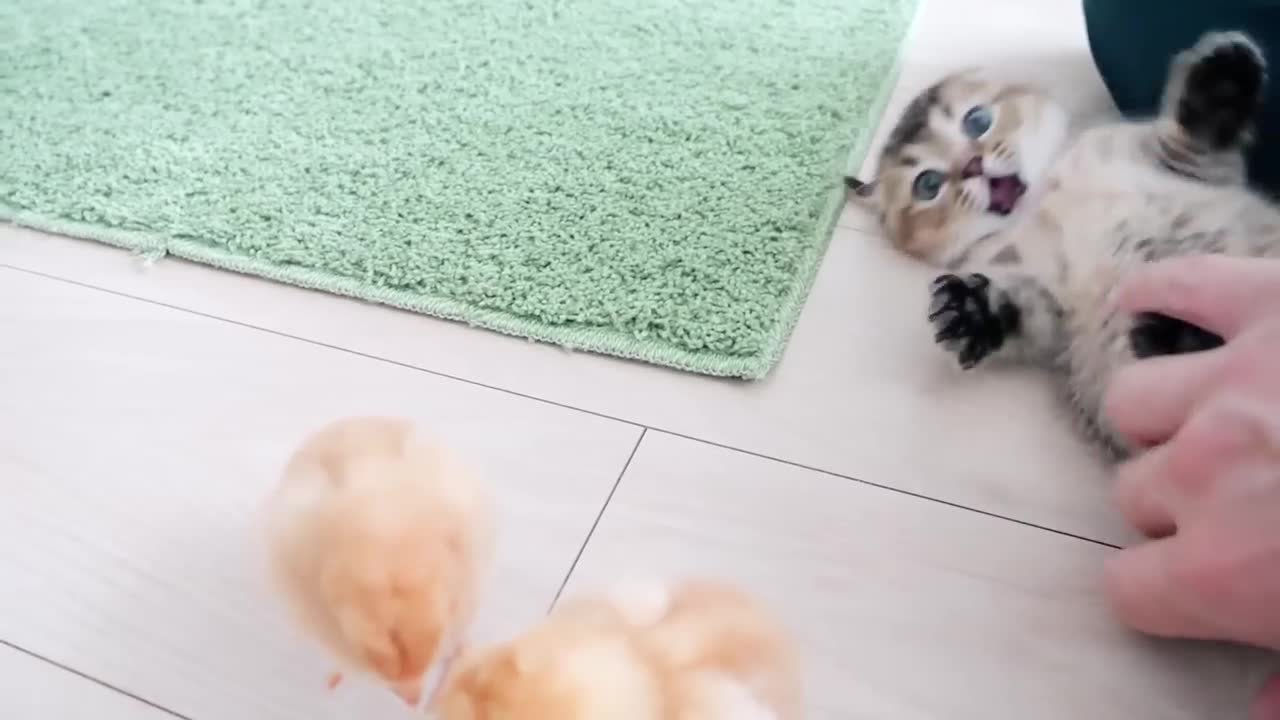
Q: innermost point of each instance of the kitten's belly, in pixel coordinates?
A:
(1106, 234)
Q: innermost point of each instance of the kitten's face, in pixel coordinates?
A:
(964, 161)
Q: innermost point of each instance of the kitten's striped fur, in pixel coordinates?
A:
(1035, 283)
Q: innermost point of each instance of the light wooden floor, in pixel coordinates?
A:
(934, 539)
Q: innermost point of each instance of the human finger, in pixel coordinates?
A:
(1217, 293)
(1138, 497)
(1267, 704)
(1214, 449)
(1146, 402)
(1143, 589)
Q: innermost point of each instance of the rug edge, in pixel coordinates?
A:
(753, 368)
(569, 338)
(829, 219)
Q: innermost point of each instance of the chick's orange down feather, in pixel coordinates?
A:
(688, 651)
(379, 539)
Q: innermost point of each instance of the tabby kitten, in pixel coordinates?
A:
(1036, 227)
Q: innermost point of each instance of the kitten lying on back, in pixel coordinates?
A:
(1037, 227)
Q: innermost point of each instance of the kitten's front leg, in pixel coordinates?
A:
(1013, 315)
(968, 318)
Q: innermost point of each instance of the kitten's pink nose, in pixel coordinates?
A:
(972, 169)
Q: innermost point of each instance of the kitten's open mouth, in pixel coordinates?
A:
(1005, 192)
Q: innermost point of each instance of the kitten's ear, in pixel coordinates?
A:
(862, 192)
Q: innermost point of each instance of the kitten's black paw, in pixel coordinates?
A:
(1223, 79)
(1153, 334)
(962, 317)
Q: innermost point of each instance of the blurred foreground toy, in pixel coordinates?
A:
(380, 539)
(644, 651)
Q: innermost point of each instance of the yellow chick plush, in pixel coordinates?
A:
(380, 539)
(696, 650)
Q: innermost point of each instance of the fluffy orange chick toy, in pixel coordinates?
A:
(379, 540)
(696, 650)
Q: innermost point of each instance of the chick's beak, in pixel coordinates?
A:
(411, 693)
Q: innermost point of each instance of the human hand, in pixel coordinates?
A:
(1208, 488)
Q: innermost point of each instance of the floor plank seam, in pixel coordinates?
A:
(890, 488)
(85, 676)
(596, 523)
(553, 403)
(319, 343)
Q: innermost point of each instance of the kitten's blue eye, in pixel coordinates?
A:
(928, 184)
(977, 121)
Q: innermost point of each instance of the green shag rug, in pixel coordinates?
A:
(652, 179)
